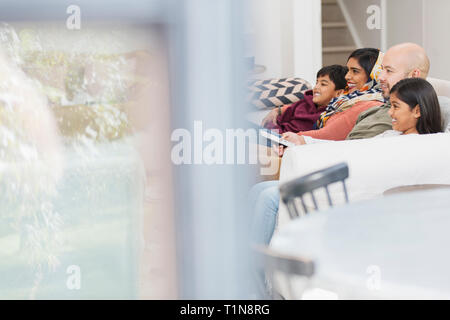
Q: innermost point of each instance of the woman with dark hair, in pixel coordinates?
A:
(414, 108)
(362, 93)
(364, 66)
(360, 64)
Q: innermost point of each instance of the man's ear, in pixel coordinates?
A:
(416, 112)
(415, 73)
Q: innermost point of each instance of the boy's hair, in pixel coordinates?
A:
(336, 73)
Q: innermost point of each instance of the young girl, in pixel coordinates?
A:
(363, 71)
(414, 108)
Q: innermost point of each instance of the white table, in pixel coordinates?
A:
(392, 247)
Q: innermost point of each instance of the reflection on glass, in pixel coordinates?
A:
(73, 175)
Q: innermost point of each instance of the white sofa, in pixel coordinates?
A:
(375, 165)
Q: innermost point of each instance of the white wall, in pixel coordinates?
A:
(423, 22)
(435, 37)
(265, 27)
(404, 21)
(287, 37)
(307, 38)
(287, 33)
(357, 9)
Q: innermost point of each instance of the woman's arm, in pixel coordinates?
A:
(340, 124)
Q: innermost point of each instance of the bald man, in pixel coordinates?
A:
(406, 60)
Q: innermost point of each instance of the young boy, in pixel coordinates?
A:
(302, 115)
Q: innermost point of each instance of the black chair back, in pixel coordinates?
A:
(296, 189)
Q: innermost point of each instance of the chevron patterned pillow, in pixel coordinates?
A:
(272, 93)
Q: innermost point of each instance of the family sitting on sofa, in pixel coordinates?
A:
(410, 106)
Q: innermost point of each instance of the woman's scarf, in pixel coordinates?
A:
(370, 91)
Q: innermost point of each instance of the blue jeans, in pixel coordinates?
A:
(264, 198)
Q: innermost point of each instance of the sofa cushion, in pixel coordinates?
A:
(442, 87)
(272, 93)
(444, 103)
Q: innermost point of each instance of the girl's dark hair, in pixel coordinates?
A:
(336, 73)
(417, 91)
(366, 57)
